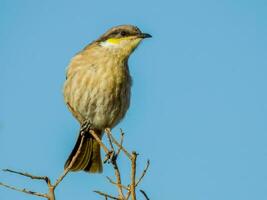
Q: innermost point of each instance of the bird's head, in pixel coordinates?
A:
(122, 39)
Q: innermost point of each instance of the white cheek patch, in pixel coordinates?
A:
(108, 44)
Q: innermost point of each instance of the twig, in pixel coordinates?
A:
(128, 195)
(143, 174)
(134, 156)
(45, 178)
(76, 114)
(110, 143)
(66, 171)
(115, 167)
(107, 131)
(106, 195)
(114, 183)
(118, 177)
(24, 190)
(121, 142)
(99, 141)
(145, 195)
(104, 147)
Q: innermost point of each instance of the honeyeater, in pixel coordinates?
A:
(98, 89)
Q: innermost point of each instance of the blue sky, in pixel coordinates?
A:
(199, 102)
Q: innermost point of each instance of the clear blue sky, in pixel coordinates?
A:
(199, 101)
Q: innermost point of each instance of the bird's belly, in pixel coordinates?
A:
(102, 100)
(107, 110)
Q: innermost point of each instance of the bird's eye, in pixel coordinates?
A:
(123, 33)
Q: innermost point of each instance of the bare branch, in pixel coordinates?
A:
(66, 171)
(128, 195)
(114, 183)
(111, 155)
(108, 132)
(45, 178)
(143, 174)
(99, 141)
(118, 177)
(121, 142)
(107, 195)
(134, 156)
(110, 143)
(51, 188)
(24, 190)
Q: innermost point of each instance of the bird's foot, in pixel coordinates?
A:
(85, 127)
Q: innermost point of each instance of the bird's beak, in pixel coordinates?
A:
(144, 35)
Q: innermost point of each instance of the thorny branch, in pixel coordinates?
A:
(111, 157)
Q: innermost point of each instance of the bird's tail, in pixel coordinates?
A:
(89, 157)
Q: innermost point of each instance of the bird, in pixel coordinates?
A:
(98, 89)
